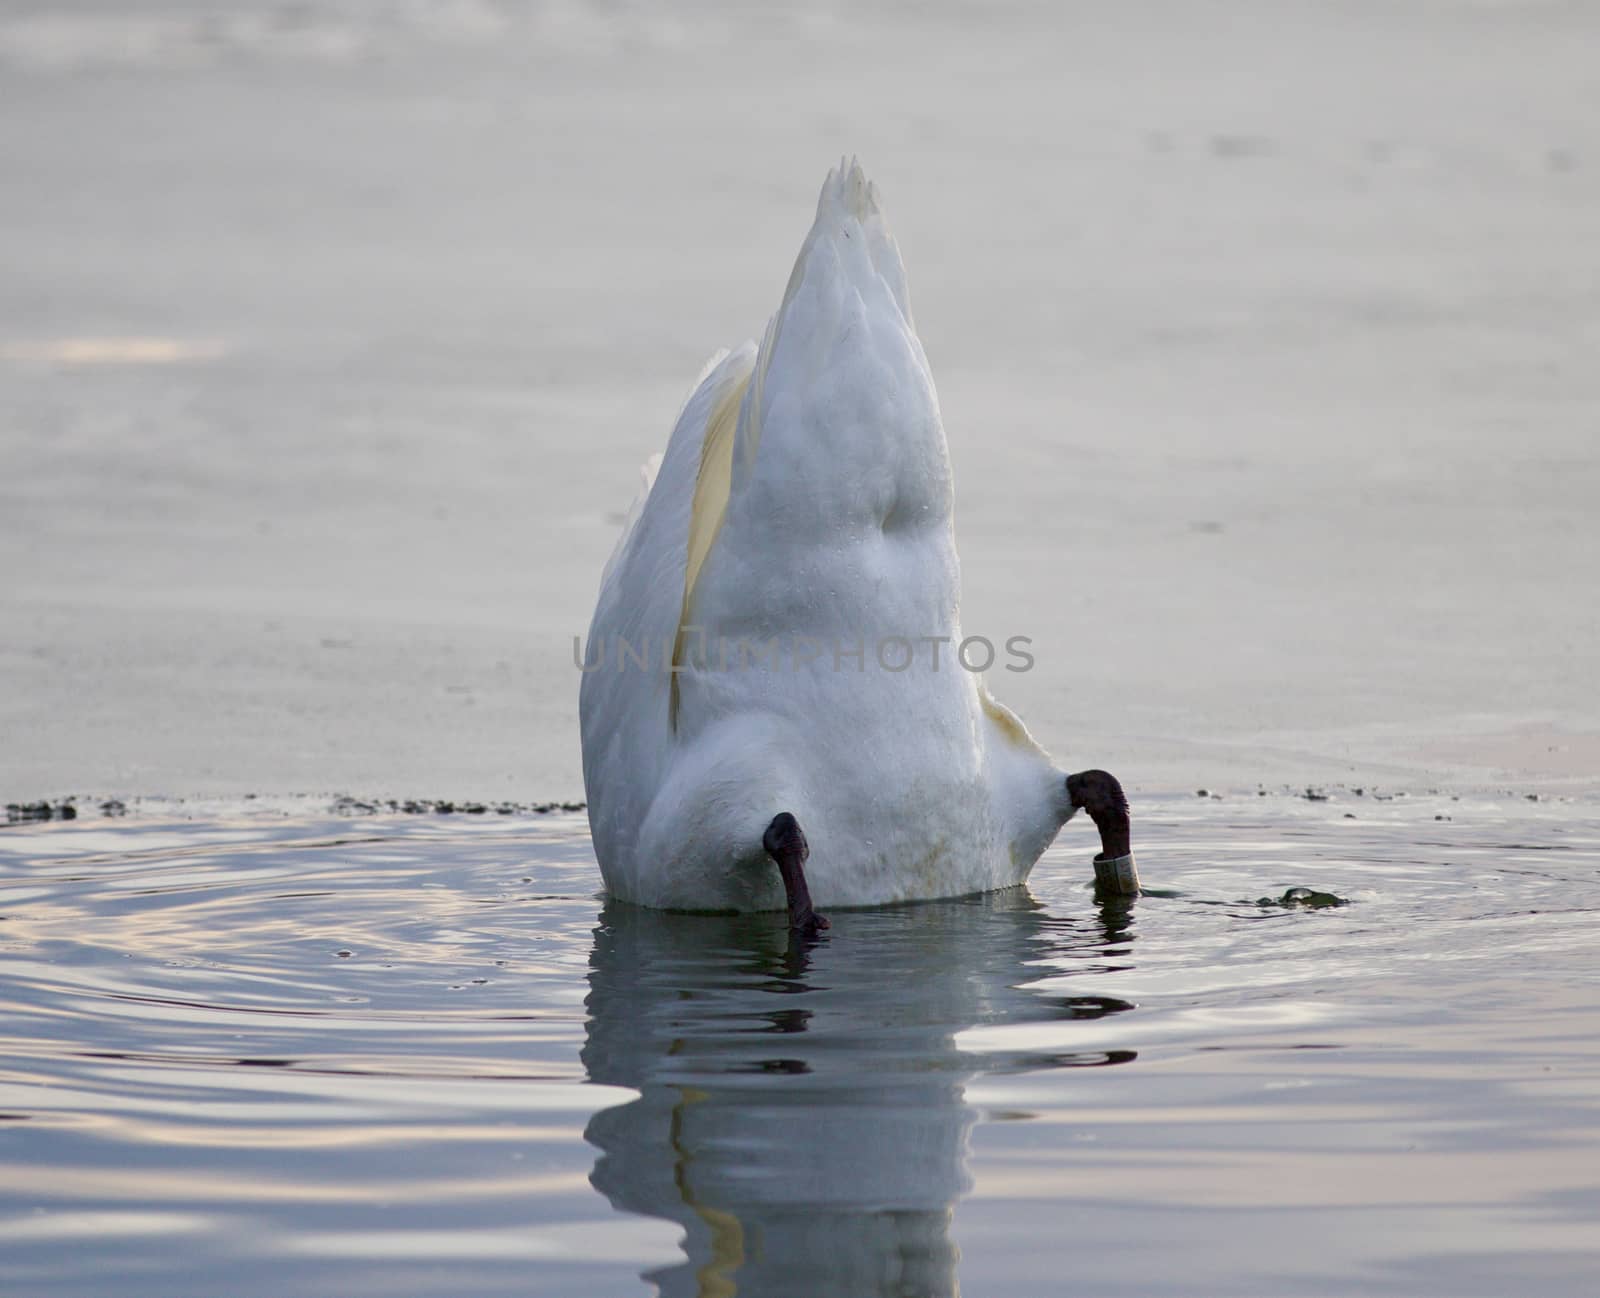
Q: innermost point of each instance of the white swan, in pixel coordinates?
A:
(770, 675)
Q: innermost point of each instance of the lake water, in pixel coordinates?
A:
(258, 1047)
(1264, 335)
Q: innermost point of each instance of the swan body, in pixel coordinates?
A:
(777, 628)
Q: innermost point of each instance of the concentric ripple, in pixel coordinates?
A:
(419, 1055)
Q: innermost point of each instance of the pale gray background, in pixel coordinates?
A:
(331, 337)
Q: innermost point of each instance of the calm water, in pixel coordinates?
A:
(325, 377)
(258, 1054)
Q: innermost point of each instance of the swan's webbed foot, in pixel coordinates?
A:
(786, 844)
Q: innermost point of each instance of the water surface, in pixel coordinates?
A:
(255, 1052)
(1264, 336)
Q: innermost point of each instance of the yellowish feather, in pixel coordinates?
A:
(712, 486)
(1006, 721)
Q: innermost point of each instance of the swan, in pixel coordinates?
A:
(772, 710)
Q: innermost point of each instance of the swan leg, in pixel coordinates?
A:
(786, 844)
(1099, 793)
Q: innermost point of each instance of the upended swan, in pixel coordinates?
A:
(772, 711)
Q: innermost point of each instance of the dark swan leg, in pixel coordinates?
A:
(786, 845)
(1099, 793)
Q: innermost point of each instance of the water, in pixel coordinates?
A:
(1264, 336)
(258, 1050)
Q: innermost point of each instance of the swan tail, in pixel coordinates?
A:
(851, 220)
(849, 260)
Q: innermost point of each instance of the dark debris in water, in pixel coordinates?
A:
(56, 809)
(345, 805)
(1303, 898)
(1336, 791)
(19, 813)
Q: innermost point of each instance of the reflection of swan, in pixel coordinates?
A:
(802, 1113)
(788, 592)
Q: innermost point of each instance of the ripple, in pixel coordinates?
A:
(359, 1045)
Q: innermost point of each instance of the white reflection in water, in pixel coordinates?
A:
(100, 1225)
(802, 1110)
